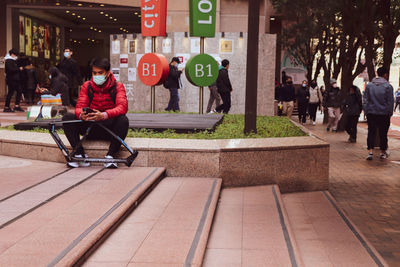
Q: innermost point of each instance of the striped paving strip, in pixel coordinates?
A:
(355, 232)
(26, 201)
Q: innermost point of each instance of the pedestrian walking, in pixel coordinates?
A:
(397, 97)
(13, 81)
(302, 97)
(214, 97)
(69, 67)
(332, 102)
(58, 85)
(315, 101)
(287, 97)
(173, 84)
(32, 84)
(378, 106)
(224, 87)
(352, 107)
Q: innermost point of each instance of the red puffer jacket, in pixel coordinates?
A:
(102, 100)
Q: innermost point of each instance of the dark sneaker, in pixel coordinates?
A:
(7, 109)
(369, 156)
(19, 109)
(328, 129)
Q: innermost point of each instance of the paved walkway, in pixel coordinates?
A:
(368, 191)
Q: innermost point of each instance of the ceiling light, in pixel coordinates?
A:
(73, 14)
(115, 19)
(106, 15)
(121, 29)
(99, 30)
(79, 4)
(83, 18)
(91, 28)
(102, 5)
(140, 16)
(70, 30)
(136, 13)
(79, 16)
(111, 17)
(88, 39)
(67, 11)
(102, 12)
(57, 4)
(74, 41)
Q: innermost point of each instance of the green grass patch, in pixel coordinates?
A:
(231, 128)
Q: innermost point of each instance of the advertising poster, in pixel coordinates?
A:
(132, 47)
(130, 94)
(166, 46)
(58, 43)
(195, 45)
(123, 61)
(28, 36)
(147, 46)
(138, 58)
(116, 47)
(226, 46)
(35, 39)
(2, 63)
(115, 72)
(132, 74)
(183, 58)
(41, 39)
(21, 34)
(47, 35)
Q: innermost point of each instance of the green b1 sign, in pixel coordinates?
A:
(202, 70)
(202, 16)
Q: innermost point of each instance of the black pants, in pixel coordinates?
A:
(71, 97)
(302, 107)
(13, 87)
(312, 110)
(173, 100)
(395, 107)
(351, 125)
(118, 125)
(380, 123)
(226, 103)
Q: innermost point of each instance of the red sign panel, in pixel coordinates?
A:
(153, 69)
(154, 17)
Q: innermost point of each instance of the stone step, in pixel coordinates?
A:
(169, 228)
(61, 231)
(251, 229)
(325, 235)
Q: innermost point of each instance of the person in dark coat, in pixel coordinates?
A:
(58, 85)
(69, 68)
(173, 84)
(353, 106)
(22, 62)
(31, 83)
(303, 96)
(224, 87)
(333, 102)
(13, 80)
(287, 96)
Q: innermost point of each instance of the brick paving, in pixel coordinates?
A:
(368, 191)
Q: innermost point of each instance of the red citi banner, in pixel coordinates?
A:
(154, 17)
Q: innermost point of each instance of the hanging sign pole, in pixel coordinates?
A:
(202, 17)
(154, 23)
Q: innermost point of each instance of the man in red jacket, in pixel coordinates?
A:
(108, 105)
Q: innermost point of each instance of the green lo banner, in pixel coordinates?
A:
(202, 16)
(202, 70)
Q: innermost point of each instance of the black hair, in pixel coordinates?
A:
(70, 49)
(225, 62)
(175, 59)
(382, 71)
(13, 51)
(101, 63)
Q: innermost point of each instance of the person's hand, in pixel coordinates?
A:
(21, 68)
(94, 116)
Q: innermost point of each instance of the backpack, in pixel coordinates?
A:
(112, 92)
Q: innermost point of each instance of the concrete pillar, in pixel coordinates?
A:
(3, 47)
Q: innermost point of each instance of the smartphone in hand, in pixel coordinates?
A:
(87, 110)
